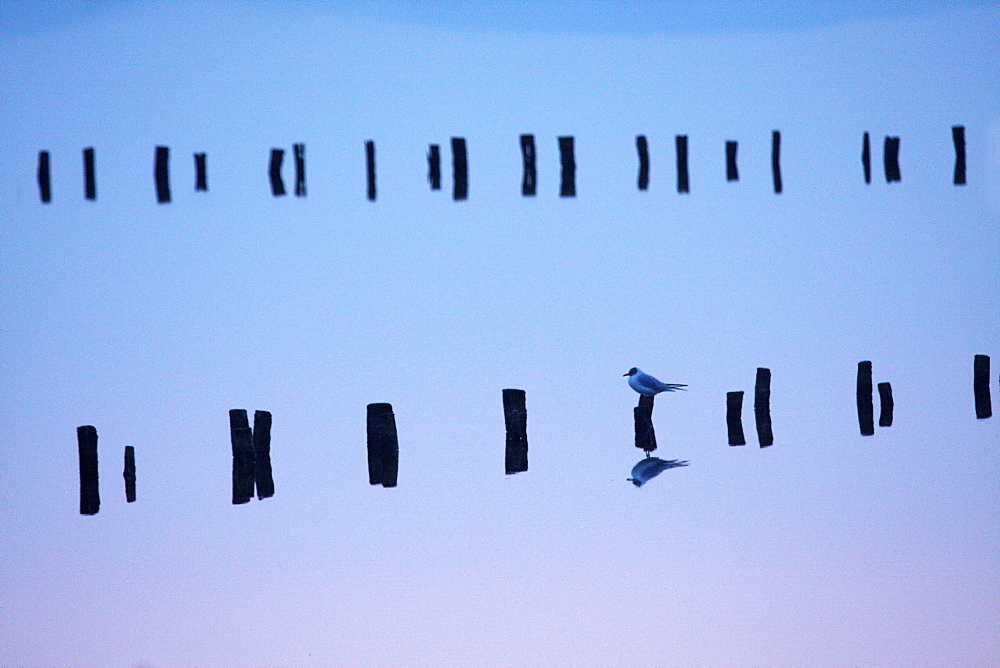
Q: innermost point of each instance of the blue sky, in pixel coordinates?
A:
(152, 321)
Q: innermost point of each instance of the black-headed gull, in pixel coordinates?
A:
(645, 384)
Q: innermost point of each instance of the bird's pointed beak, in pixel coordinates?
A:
(625, 374)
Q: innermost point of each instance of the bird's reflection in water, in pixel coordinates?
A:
(650, 467)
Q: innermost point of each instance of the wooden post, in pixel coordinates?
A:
(891, 159)
(885, 405)
(734, 418)
(200, 172)
(515, 417)
(262, 454)
(89, 178)
(958, 137)
(460, 169)
(866, 408)
(383, 446)
(90, 495)
(274, 170)
(129, 474)
(732, 172)
(776, 160)
(434, 166)
(44, 177)
(762, 407)
(161, 173)
(241, 437)
(529, 179)
(866, 157)
(681, 142)
(300, 169)
(370, 168)
(981, 386)
(642, 146)
(645, 436)
(567, 184)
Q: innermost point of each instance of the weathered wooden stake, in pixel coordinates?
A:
(732, 172)
(241, 437)
(885, 405)
(981, 386)
(567, 184)
(891, 159)
(681, 142)
(642, 146)
(645, 436)
(370, 168)
(274, 170)
(434, 166)
(776, 160)
(383, 446)
(200, 173)
(89, 177)
(262, 454)
(958, 136)
(129, 474)
(90, 495)
(762, 407)
(161, 173)
(44, 177)
(515, 417)
(866, 408)
(460, 169)
(734, 418)
(529, 179)
(300, 169)
(866, 157)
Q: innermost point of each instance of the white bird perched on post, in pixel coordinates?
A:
(646, 385)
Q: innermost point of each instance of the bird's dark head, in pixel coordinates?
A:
(635, 481)
(631, 372)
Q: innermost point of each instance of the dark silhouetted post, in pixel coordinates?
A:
(89, 177)
(981, 386)
(383, 446)
(776, 160)
(529, 180)
(370, 168)
(129, 473)
(958, 136)
(567, 184)
(891, 160)
(866, 157)
(300, 169)
(460, 169)
(90, 495)
(434, 166)
(200, 173)
(734, 418)
(732, 172)
(645, 436)
(762, 407)
(44, 178)
(515, 416)
(885, 405)
(866, 407)
(274, 170)
(642, 146)
(161, 173)
(241, 437)
(262, 454)
(681, 141)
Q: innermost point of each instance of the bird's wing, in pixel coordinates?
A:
(667, 387)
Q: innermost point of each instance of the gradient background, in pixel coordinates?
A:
(151, 321)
